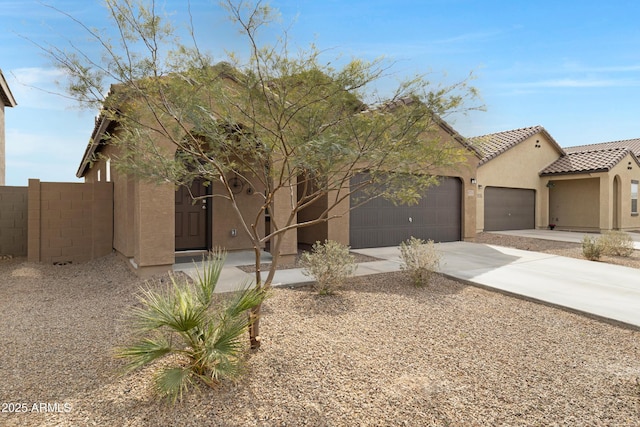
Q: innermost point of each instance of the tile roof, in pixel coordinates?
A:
(586, 161)
(631, 144)
(492, 145)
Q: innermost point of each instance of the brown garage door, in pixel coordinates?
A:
(380, 223)
(509, 209)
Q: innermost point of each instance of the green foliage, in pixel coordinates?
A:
(591, 248)
(616, 243)
(420, 260)
(281, 122)
(239, 118)
(330, 264)
(185, 321)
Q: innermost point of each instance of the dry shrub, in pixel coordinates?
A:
(420, 259)
(591, 248)
(330, 264)
(616, 243)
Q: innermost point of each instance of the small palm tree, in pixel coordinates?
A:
(182, 320)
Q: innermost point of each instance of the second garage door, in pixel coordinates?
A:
(509, 209)
(438, 216)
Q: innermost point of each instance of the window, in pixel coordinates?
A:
(634, 197)
(108, 163)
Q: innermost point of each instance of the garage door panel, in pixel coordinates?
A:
(381, 223)
(509, 209)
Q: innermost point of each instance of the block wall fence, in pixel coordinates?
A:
(69, 222)
(53, 222)
(13, 221)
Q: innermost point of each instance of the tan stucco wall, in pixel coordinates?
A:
(573, 204)
(154, 224)
(588, 201)
(519, 167)
(225, 217)
(144, 216)
(2, 145)
(626, 170)
(469, 197)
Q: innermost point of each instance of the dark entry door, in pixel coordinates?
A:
(191, 218)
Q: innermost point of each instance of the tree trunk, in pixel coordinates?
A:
(254, 313)
(254, 329)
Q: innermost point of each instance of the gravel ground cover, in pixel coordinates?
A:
(380, 353)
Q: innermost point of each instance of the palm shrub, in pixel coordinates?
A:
(182, 320)
(617, 243)
(591, 248)
(420, 259)
(330, 264)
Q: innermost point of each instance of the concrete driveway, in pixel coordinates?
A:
(599, 289)
(561, 236)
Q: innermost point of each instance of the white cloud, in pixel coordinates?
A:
(469, 37)
(580, 83)
(37, 88)
(577, 67)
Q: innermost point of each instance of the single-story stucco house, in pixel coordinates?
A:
(526, 180)
(155, 223)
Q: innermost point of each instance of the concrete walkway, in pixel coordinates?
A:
(599, 289)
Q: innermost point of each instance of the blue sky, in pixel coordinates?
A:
(572, 67)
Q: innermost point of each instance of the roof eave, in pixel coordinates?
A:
(5, 92)
(455, 135)
(575, 172)
(92, 147)
(487, 158)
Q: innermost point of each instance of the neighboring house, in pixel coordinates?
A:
(526, 180)
(6, 100)
(511, 194)
(595, 187)
(155, 223)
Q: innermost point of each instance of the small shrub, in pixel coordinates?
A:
(183, 321)
(616, 243)
(591, 248)
(420, 259)
(330, 264)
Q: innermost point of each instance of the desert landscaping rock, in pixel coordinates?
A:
(381, 352)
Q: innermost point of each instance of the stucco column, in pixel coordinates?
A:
(543, 214)
(606, 203)
(469, 207)
(33, 221)
(338, 228)
(154, 224)
(283, 201)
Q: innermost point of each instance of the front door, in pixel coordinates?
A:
(191, 217)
